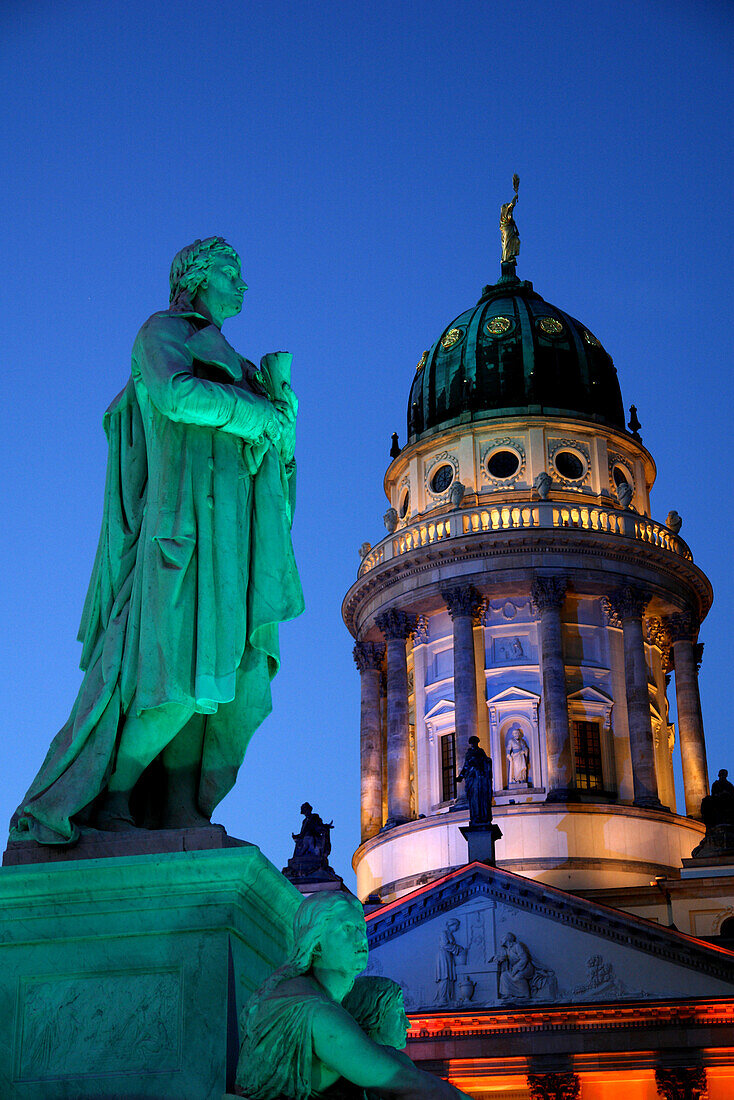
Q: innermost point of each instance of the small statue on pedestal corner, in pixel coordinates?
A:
(717, 811)
(476, 774)
(313, 846)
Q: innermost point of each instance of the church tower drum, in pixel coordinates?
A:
(524, 594)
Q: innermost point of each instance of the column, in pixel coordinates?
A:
(554, 1086)
(683, 630)
(396, 626)
(681, 1083)
(368, 657)
(548, 594)
(464, 604)
(629, 604)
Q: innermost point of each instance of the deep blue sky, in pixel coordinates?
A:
(356, 154)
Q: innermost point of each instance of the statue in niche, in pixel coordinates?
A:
(624, 495)
(520, 977)
(448, 951)
(298, 1038)
(518, 756)
(476, 774)
(508, 228)
(194, 572)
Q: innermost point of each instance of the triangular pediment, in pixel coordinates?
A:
(486, 938)
(590, 695)
(514, 695)
(443, 706)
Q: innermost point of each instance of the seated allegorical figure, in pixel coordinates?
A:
(299, 1041)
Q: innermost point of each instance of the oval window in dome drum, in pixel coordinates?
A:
(503, 464)
(621, 476)
(442, 478)
(569, 465)
(404, 504)
(550, 326)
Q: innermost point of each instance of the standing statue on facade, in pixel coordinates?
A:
(476, 774)
(298, 1039)
(518, 756)
(193, 574)
(508, 229)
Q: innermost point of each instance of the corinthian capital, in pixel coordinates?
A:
(368, 655)
(681, 1082)
(548, 592)
(395, 624)
(463, 600)
(682, 626)
(630, 602)
(554, 1086)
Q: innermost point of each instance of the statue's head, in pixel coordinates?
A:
(474, 742)
(509, 939)
(377, 1005)
(205, 276)
(453, 925)
(723, 773)
(330, 930)
(306, 808)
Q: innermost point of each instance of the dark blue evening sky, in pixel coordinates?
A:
(356, 154)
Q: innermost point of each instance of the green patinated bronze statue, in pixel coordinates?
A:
(314, 1029)
(194, 571)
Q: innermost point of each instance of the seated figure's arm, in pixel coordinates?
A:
(341, 1045)
(164, 364)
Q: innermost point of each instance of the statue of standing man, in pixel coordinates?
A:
(194, 572)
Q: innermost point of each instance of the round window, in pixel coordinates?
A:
(442, 478)
(569, 465)
(620, 475)
(404, 504)
(503, 464)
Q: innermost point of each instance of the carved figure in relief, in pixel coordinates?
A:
(194, 573)
(520, 978)
(518, 756)
(624, 495)
(448, 951)
(674, 522)
(298, 1038)
(476, 774)
(543, 484)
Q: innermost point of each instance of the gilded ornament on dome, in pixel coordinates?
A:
(550, 326)
(452, 337)
(422, 361)
(591, 339)
(498, 326)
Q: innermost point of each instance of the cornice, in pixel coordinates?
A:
(559, 542)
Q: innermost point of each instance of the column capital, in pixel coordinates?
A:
(421, 633)
(548, 592)
(463, 600)
(682, 626)
(681, 1083)
(395, 624)
(657, 634)
(369, 655)
(554, 1086)
(630, 602)
(610, 615)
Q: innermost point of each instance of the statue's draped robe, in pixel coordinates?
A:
(194, 570)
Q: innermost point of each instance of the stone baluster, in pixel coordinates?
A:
(548, 594)
(396, 627)
(683, 630)
(682, 1083)
(629, 605)
(368, 657)
(464, 604)
(554, 1086)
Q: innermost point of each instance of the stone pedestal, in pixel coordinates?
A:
(481, 840)
(123, 978)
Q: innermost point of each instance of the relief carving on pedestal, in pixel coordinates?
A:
(100, 1024)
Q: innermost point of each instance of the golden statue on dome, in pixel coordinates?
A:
(510, 235)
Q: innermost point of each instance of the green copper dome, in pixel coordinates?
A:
(513, 354)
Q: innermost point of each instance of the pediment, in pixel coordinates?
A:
(443, 706)
(486, 938)
(514, 695)
(591, 695)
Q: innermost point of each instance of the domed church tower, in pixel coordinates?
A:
(524, 594)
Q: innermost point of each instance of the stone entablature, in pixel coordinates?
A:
(570, 846)
(602, 458)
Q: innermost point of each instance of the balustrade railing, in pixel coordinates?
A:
(536, 516)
